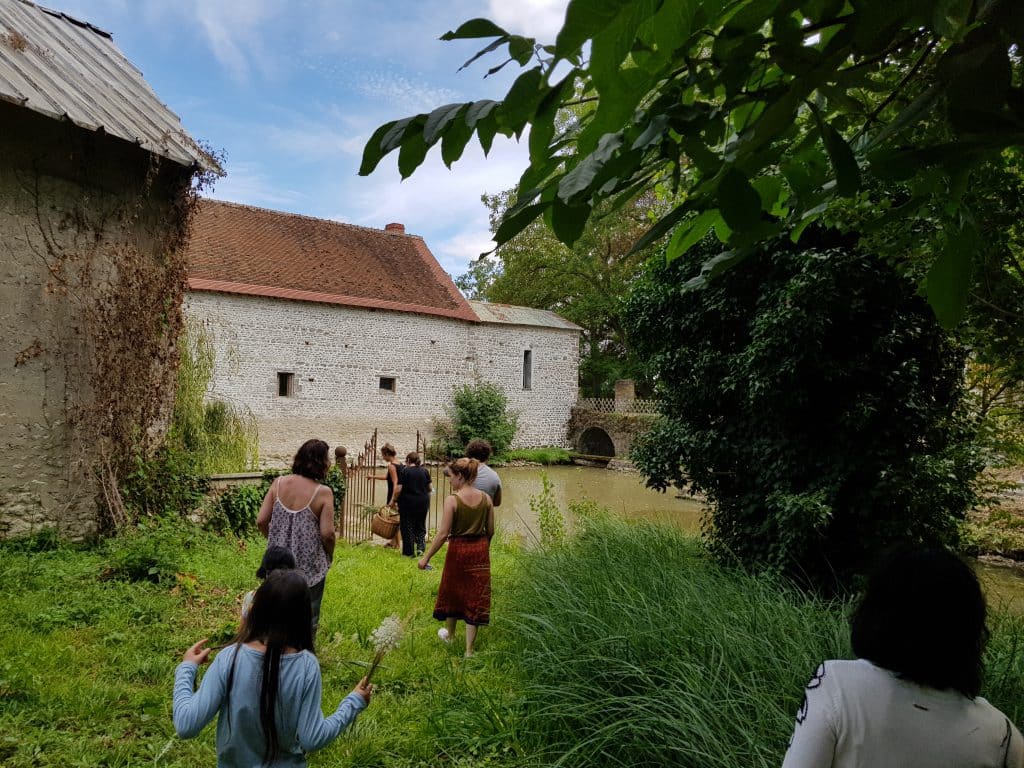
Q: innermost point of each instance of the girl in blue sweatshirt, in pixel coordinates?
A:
(266, 687)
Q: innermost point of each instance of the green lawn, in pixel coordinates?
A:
(622, 646)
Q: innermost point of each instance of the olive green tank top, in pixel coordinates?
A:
(470, 521)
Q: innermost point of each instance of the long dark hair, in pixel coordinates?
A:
(280, 617)
(312, 460)
(922, 616)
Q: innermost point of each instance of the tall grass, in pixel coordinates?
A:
(638, 651)
(635, 649)
(219, 437)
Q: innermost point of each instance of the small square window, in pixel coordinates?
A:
(285, 384)
(387, 383)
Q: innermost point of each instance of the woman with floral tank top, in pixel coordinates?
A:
(298, 514)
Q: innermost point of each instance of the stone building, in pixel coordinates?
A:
(93, 172)
(331, 330)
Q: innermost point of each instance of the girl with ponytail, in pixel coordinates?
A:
(266, 687)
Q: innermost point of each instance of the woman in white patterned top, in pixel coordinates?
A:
(298, 514)
(911, 698)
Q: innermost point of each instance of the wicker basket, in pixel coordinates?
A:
(385, 523)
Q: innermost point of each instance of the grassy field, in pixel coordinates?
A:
(623, 646)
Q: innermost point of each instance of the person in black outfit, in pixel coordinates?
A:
(413, 496)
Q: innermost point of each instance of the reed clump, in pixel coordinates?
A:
(636, 649)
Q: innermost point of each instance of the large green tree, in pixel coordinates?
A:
(814, 399)
(762, 113)
(584, 282)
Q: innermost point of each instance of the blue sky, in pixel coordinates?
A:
(292, 90)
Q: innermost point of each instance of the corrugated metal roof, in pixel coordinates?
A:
(69, 70)
(507, 313)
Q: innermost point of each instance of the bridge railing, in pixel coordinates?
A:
(613, 405)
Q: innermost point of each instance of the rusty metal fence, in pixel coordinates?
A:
(362, 498)
(435, 462)
(360, 495)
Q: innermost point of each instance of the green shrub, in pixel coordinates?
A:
(43, 540)
(479, 411)
(235, 510)
(219, 437)
(203, 438)
(154, 552)
(816, 401)
(166, 483)
(335, 480)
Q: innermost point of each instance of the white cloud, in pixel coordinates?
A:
(402, 93)
(248, 183)
(441, 205)
(456, 253)
(314, 141)
(234, 30)
(533, 18)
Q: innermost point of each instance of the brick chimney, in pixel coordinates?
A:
(398, 229)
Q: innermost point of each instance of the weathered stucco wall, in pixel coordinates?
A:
(338, 354)
(68, 198)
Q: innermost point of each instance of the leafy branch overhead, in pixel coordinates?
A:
(758, 116)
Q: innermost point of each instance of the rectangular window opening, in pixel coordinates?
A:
(387, 383)
(527, 369)
(285, 384)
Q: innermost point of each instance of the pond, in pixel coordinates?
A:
(625, 493)
(622, 492)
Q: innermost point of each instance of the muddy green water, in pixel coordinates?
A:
(625, 493)
(622, 492)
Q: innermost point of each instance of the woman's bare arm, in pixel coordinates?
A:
(444, 527)
(266, 508)
(327, 535)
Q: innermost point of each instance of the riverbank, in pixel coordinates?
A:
(996, 531)
(622, 646)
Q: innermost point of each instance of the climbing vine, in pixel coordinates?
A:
(112, 244)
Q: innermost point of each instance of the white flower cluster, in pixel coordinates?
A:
(387, 636)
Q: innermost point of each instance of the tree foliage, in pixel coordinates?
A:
(761, 115)
(993, 324)
(584, 283)
(814, 399)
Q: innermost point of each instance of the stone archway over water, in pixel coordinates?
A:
(596, 442)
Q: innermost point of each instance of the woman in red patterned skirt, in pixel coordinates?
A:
(467, 523)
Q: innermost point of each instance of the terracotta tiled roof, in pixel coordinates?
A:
(240, 249)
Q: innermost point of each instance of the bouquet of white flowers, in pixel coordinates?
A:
(385, 638)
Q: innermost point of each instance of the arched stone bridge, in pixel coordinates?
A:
(606, 427)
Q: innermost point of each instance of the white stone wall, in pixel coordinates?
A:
(544, 408)
(338, 354)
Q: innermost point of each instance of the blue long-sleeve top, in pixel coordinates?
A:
(301, 726)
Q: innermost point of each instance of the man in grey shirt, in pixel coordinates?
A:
(487, 479)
